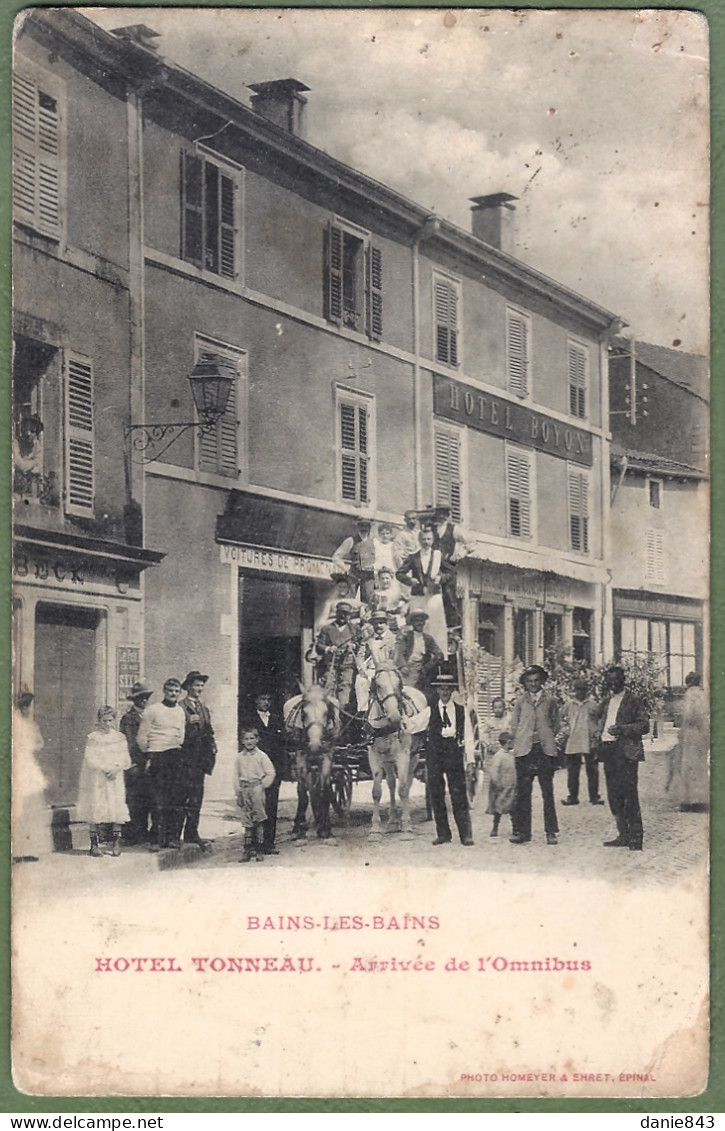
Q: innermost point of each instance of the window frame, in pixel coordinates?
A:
(203, 343)
(575, 472)
(687, 660)
(654, 480)
(232, 173)
(459, 512)
(357, 400)
(454, 285)
(53, 88)
(578, 385)
(367, 278)
(526, 455)
(515, 314)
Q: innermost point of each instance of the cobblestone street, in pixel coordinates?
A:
(675, 849)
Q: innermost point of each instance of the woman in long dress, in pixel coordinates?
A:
(689, 785)
(102, 788)
(30, 824)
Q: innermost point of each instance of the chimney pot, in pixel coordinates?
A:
(282, 102)
(492, 219)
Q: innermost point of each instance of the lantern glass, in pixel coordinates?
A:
(211, 383)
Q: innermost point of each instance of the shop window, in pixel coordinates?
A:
(353, 280)
(446, 304)
(37, 153)
(682, 652)
(552, 634)
(490, 629)
(518, 346)
(669, 645)
(582, 635)
(579, 511)
(209, 214)
(448, 445)
(355, 448)
(518, 492)
(218, 447)
(578, 380)
(79, 436)
(655, 549)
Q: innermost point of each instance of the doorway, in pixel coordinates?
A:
(272, 615)
(66, 663)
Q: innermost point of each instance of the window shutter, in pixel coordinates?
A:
(36, 155)
(79, 437)
(446, 319)
(518, 350)
(355, 453)
(192, 215)
(577, 381)
(227, 227)
(519, 495)
(218, 447)
(333, 273)
(655, 556)
(448, 489)
(579, 511)
(374, 296)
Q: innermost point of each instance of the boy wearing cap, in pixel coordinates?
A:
(534, 724)
(139, 798)
(579, 736)
(161, 735)
(198, 754)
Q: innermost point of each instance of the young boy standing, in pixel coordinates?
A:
(255, 774)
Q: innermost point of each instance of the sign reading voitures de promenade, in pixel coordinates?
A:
(467, 405)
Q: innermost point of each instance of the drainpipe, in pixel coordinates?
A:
(430, 228)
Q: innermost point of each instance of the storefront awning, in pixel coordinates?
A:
(251, 520)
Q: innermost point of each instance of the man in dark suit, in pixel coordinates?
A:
(445, 761)
(270, 725)
(534, 725)
(198, 755)
(624, 722)
(421, 572)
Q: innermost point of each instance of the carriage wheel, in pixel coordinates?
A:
(341, 790)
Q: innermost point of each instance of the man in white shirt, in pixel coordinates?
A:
(161, 735)
(625, 722)
(445, 762)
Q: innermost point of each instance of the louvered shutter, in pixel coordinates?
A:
(79, 436)
(227, 226)
(192, 214)
(333, 273)
(36, 156)
(448, 487)
(655, 556)
(354, 453)
(518, 355)
(519, 497)
(577, 381)
(579, 511)
(374, 293)
(218, 447)
(446, 320)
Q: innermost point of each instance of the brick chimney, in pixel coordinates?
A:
(492, 219)
(282, 102)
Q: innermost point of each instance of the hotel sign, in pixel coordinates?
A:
(276, 561)
(464, 404)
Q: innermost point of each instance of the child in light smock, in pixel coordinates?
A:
(254, 775)
(502, 781)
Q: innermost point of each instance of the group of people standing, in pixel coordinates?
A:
(144, 783)
(539, 733)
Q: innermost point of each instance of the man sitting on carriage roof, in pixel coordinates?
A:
(335, 648)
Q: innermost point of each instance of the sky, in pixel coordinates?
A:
(597, 121)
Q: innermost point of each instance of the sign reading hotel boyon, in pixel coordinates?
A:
(464, 404)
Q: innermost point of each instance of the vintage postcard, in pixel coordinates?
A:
(361, 553)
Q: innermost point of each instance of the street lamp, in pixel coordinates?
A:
(211, 383)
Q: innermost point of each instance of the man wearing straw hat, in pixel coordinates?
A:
(445, 762)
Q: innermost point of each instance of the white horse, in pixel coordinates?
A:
(396, 715)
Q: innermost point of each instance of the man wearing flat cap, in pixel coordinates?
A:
(198, 754)
(161, 735)
(534, 725)
(139, 798)
(417, 656)
(356, 558)
(335, 648)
